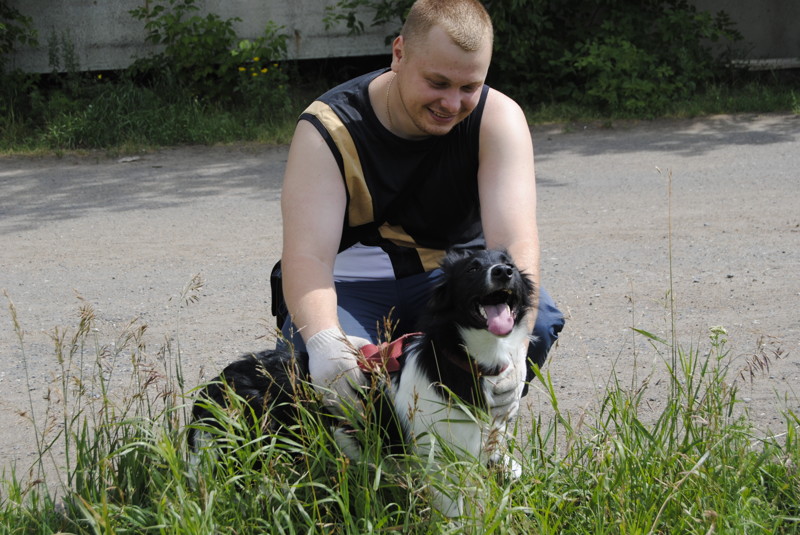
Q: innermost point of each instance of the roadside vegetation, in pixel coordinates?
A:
(574, 61)
(673, 451)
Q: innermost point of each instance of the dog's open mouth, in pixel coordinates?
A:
(495, 308)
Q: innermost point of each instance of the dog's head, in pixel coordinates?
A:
(482, 289)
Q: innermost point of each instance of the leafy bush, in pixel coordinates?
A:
(645, 54)
(15, 29)
(385, 11)
(196, 49)
(202, 55)
(262, 82)
(627, 56)
(205, 86)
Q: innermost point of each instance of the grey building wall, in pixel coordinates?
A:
(771, 28)
(105, 36)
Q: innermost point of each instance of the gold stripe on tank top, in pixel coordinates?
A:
(359, 211)
(430, 258)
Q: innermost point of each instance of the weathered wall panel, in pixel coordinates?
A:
(105, 36)
(771, 28)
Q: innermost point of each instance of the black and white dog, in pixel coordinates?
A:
(472, 331)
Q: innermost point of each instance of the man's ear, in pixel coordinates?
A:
(398, 52)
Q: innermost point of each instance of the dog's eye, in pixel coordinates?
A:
(473, 267)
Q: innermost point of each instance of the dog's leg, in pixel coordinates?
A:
(439, 425)
(201, 442)
(445, 491)
(347, 443)
(449, 507)
(495, 440)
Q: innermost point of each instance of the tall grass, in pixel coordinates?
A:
(123, 115)
(757, 95)
(695, 466)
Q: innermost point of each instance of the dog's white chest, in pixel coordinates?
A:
(426, 413)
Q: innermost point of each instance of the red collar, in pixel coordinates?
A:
(386, 356)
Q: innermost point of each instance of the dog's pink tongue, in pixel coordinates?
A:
(499, 320)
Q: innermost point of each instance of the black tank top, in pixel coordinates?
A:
(412, 198)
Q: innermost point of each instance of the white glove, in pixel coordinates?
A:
(333, 365)
(505, 390)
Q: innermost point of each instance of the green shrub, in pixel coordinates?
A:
(205, 86)
(643, 55)
(385, 12)
(628, 56)
(202, 56)
(261, 82)
(621, 76)
(196, 50)
(15, 29)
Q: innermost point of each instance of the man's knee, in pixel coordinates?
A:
(549, 323)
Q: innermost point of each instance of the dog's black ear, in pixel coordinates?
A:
(441, 298)
(452, 257)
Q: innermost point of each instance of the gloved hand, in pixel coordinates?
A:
(333, 365)
(505, 389)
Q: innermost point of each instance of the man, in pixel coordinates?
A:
(386, 172)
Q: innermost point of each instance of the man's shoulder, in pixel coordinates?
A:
(497, 101)
(354, 86)
(501, 112)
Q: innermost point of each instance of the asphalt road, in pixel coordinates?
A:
(705, 210)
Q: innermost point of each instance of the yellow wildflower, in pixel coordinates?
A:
(242, 69)
(256, 58)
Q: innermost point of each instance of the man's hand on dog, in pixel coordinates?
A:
(333, 365)
(506, 389)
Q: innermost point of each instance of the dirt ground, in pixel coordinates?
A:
(125, 235)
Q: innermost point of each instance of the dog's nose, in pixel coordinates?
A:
(501, 272)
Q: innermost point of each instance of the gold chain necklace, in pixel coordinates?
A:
(388, 109)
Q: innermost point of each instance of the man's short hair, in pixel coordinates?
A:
(465, 21)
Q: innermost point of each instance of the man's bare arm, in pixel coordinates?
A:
(507, 184)
(313, 203)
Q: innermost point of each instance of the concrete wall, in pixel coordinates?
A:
(107, 37)
(771, 28)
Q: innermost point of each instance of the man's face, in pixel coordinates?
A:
(439, 83)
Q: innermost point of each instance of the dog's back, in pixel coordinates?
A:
(267, 382)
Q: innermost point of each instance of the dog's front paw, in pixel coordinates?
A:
(348, 443)
(509, 465)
